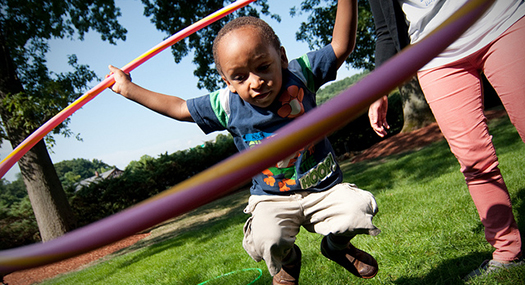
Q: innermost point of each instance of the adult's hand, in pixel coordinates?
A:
(377, 115)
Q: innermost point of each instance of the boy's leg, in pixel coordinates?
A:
(454, 94)
(356, 261)
(269, 234)
(290, 269)
(339, 214)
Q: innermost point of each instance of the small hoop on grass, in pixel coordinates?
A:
(233, 272)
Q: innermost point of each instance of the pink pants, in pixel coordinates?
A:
(454, 93)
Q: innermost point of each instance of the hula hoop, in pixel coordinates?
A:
(41, 132)
(225, 176)
(236, 271)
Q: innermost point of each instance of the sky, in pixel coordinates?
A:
(116, 130)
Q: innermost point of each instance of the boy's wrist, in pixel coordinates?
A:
(126, 89)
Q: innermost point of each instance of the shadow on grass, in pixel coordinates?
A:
(520, 216)
(430, 162)
(446, 272)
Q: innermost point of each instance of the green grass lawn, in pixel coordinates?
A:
(431, 233)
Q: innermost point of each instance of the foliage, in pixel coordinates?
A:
(431, 233)
(31, 94)
(172, 16)
(75, 170)
(17, 221)
(333, 89)
(147, 177)
(17, 224)
(140, 180)
(317, 31)
(25, 28)
(11, 192)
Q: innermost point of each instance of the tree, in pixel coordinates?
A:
(317, 33)
(170, 16)
(31, 94)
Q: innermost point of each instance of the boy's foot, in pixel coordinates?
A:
(492, 266)
(289, 273)
(358, 262)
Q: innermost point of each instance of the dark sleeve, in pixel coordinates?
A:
(391, 29)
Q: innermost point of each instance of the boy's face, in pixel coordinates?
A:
(251, 67)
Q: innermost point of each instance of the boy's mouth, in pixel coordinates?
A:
(262, 96)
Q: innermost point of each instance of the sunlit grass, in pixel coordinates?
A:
(431, 233)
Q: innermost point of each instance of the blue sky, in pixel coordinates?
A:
(116, 130)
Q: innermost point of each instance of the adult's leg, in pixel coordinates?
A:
(503, 63)
(504, 66)
(454, 94)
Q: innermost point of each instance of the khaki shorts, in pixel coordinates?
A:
(270, 232)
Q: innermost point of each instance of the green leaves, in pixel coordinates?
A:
(317, 31)
(172, 16)
(25, 28)
(23, 20)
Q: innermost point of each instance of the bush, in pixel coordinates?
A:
(147, 177)
(18, 225)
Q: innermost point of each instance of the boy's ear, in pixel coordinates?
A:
(230, 86)
(284, 59)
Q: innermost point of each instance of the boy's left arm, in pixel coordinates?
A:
(345, 29)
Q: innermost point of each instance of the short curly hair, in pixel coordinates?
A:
(266, 32)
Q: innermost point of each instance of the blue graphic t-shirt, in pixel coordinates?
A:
(313, 168)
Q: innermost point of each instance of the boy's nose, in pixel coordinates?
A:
(256, 81)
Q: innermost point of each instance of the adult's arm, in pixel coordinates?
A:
(391, 37)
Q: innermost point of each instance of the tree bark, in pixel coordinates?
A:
(48, 199)
(416, 112)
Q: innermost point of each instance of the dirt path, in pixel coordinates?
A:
(393, 145)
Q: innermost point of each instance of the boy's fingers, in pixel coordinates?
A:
(111, 68)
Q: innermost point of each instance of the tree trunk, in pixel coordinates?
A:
(50, 205)
(48, 199)
(416, 112)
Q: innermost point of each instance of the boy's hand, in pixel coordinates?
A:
(121, 80)
(377, 115)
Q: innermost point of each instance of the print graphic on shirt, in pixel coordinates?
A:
(283, 174)
(316, 175)
(256, 138)
(292, 101)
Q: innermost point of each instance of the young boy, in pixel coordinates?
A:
(264, 92)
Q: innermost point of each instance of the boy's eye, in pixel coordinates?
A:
(264, 67)
(238, 77)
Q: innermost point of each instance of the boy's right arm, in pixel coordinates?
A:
(171, 106)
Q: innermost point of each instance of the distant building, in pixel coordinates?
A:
(112, 173)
